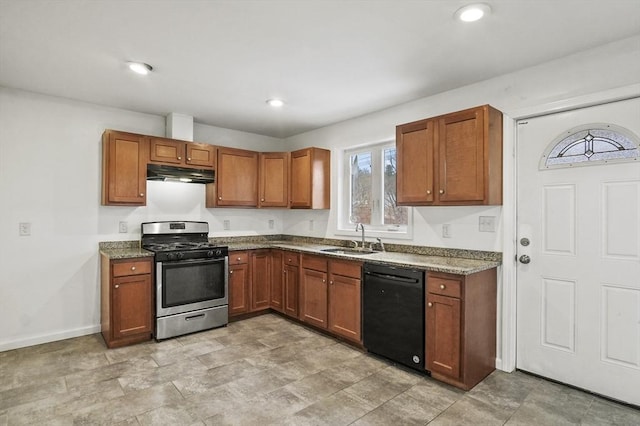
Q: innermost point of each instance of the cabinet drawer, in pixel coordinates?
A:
(291, 259)
(444, 286)
(346, 269)
(238, 257)
(317, 263)
(135, 267)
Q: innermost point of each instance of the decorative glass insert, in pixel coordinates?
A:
(591, 144)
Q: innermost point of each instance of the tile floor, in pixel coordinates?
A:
(266, 370)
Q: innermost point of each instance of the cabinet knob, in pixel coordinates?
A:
(133, 268)
(261, 199)
(429, 304)
(188, 158)
(238, 259)
(219, 198)
(324, 281)
(142, 194)
(442, 191)
(331, 282)
(428, 191)
(231, 272)
(117, 285)
(442, 286)
(179, 158)
(289, 260)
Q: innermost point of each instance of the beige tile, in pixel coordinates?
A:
(204, 380)
(167, 415)
(471, 412)
(376, 389)
(340, 408)
(190, 350)
(32, 392)
(314, 387)
(401, 410)
(138, 380)
(608, 413)
(435, 394)
(232, 353)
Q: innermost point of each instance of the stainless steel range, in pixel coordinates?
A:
(191, 277)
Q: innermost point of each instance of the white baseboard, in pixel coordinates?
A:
(46, 338)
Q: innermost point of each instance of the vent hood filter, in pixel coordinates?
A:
(179, 174)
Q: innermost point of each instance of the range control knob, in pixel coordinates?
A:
(180, 255)
(210, 253)
(218, 252)
(171, 256)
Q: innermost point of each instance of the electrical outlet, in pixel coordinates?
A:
(123, 227)
(271, 223)
(24, 229)
(487, 224)
(226, 224)
(310, 224)
(446, 230)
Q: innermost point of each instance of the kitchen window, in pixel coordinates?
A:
(369, 192)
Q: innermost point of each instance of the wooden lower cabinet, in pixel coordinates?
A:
(344, 299)
(276, 297)
(126, 300)
(238, 283)
(460, 332)
(260, 280)
(313, 291)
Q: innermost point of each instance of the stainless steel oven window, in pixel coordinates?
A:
(188, 285)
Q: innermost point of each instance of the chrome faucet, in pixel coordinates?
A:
(360, 227)
(381, 244)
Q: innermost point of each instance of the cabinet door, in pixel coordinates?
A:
(274, 179)
(238, 289)
(344, 306)
(163, 150)
(260, 283)
(132, 309)
(461, 157)
(124, 169)
(291, 290)
(310, 179)
(200, 154)
(415, 165)
(237, 178)
(277, 281)
(442, 335)
(313, 297)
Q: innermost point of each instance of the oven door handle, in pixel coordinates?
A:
(193, 261)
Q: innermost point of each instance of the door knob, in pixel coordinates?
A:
(524, 259)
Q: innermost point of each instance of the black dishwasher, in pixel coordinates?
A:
(393, 313)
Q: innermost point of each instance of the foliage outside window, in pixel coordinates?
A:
(370, 173)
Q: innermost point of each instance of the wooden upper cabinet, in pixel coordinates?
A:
(181, 153)
(462, 150)
(124, 169)
(274, 179)
(414, 156)
(236, 179)
(310, 179)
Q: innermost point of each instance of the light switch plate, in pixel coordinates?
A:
(226, 224)
(487, 224)
(271, 223)
(446, 230)
(123, 227)
(24, 229)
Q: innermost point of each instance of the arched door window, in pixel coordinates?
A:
(591, 144)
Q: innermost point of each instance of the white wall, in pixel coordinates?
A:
(610, 66)
(50, 176)
(50, 161)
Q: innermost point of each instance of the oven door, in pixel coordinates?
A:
(189, 285)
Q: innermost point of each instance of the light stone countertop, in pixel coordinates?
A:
(448, 264)
(452, 265)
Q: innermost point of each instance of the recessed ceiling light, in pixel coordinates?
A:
(277, 103)
(473, 12)
(140, 67)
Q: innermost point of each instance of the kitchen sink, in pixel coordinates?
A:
(342, 250)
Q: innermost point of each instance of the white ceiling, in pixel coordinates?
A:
(329, 60)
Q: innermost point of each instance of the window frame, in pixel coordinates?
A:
(344, 225)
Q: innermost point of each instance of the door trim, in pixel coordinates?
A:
(507, 281)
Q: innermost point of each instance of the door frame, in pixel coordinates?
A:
(507, 313)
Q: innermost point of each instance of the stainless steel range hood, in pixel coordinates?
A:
(179, 174)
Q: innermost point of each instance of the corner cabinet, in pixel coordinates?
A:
(454, 159)
(124, 169)
(274, 179)
(310, 179)
(126, 303)
(460, 332)
(236, 179)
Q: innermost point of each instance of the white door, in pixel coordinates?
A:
(578, 313)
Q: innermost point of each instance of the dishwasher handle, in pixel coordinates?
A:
(393, 277)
